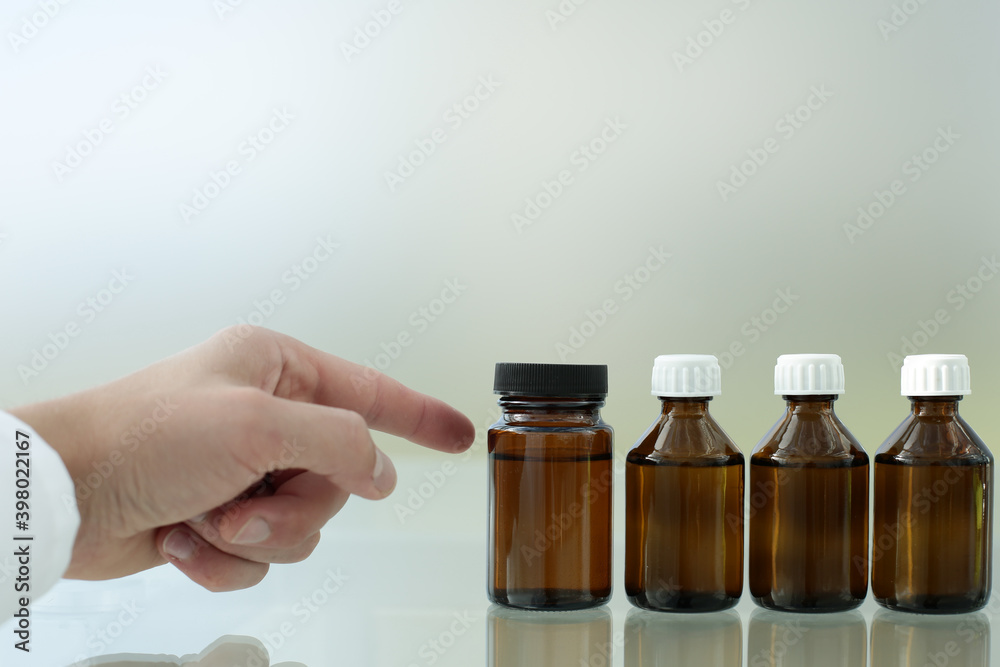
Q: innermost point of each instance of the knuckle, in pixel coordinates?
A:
(299, 384)
(252, 434)
(354, 431)
(238, 333)
(216, 583)
(209, 531)
(225, 579)
(258, 574)
(307, 548)
(250, 408)
(250, 399)
(301, 550)
(246, 341)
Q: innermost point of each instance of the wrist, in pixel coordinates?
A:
(66, 425)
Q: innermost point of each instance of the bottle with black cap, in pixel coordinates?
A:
(551, 470)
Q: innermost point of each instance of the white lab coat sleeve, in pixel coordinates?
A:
(36, 537)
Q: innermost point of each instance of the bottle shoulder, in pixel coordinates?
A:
(815, 438)
(686, 439)
(928, 439)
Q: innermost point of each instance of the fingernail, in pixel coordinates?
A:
(200, 518)
(179, 545)
(254, 531)
(384, 473)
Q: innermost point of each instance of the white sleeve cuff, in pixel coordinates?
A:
(38, 516)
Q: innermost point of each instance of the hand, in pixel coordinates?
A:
(230, 455)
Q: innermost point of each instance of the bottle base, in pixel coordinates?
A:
(813, 605)
(549, 599)
(689, 603)
(934, 604)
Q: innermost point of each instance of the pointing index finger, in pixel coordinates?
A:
(308, 374)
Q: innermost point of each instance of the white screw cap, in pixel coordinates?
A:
(935, 375)
(808, 374)
(685, 375)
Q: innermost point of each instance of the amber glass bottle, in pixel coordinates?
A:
(808, 497)
(932, 539)
(684, 497)
(551, 472)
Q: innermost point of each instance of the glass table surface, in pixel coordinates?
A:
(402, 583)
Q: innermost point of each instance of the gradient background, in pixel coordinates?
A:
(656, 186)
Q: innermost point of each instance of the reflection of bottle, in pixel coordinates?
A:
(777, 639)
(703, 640)
(809, 497)
(519, 638)
(932, 540)
(684, 497)
(907, 640)
(550, 488)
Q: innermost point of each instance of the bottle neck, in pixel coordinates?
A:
(696, 406)
(569, 411)
(934, 406)
(819, 403)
